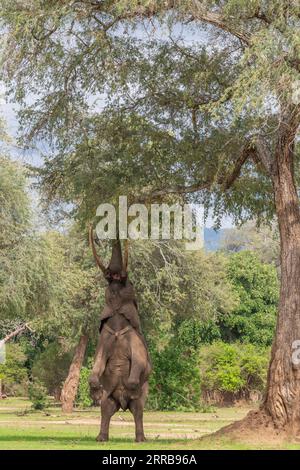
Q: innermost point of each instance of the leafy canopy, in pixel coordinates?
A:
(149, 113)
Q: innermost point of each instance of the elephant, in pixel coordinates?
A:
(122, 364)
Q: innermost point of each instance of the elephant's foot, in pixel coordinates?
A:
(102, 438)
(140, 438)
(94, 381)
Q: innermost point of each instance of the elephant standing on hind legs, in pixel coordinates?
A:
(122, 364)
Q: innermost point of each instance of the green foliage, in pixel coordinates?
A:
(172, 110)
(174, 285)
(257, 287)
(14, 204)
(13, 372)
(192, 333)
(174, 382)
(16, 247)
(235, 368)
(59, 291)
(264, 241)
(83, 394)
(47, 279)
(38, 395)
(50, 367)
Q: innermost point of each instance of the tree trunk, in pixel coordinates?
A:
(69, 390)
(280, 410)
(282, 400)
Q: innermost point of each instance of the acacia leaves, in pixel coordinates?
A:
(145, 109)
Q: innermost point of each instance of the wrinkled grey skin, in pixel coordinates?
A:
(122, 365)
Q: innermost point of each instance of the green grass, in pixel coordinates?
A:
(23, 428)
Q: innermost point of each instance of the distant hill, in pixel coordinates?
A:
(212, 238)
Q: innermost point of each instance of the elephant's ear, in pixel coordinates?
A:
(97, 258)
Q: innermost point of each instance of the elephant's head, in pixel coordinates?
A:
(117, 268)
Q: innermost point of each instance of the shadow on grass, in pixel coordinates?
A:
(83, 439)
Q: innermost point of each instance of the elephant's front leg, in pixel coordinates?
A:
(136, 408)
(101, 357)
(108, 407)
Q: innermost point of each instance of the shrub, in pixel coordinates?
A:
(13, 372)
(38, 395)
(174, 382)
(237, 369)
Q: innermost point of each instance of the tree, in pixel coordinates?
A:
(69, 390)
(73, 303)
(166, 279)
(253, 320)
(50, 367)
(16, 247)
(13, 373)
(264, 241)
(224, 124)
(43, 277)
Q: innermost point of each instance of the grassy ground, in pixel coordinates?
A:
(22, 428)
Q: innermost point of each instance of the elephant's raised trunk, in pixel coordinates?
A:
(117, 264)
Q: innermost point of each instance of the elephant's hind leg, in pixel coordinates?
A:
(136, 407)
(138, 361)
(108, 407)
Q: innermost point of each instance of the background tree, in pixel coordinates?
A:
(45, 279)
(16, 241)
(50, 367)
(174, 286)
(256, 285)
(264, 241)
(13, 373)
(72, 312)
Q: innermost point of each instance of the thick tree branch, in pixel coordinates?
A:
(177, 189)
(226, 182)
(16, 332)
(220, 22)
(197, 13)
(246, 153)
